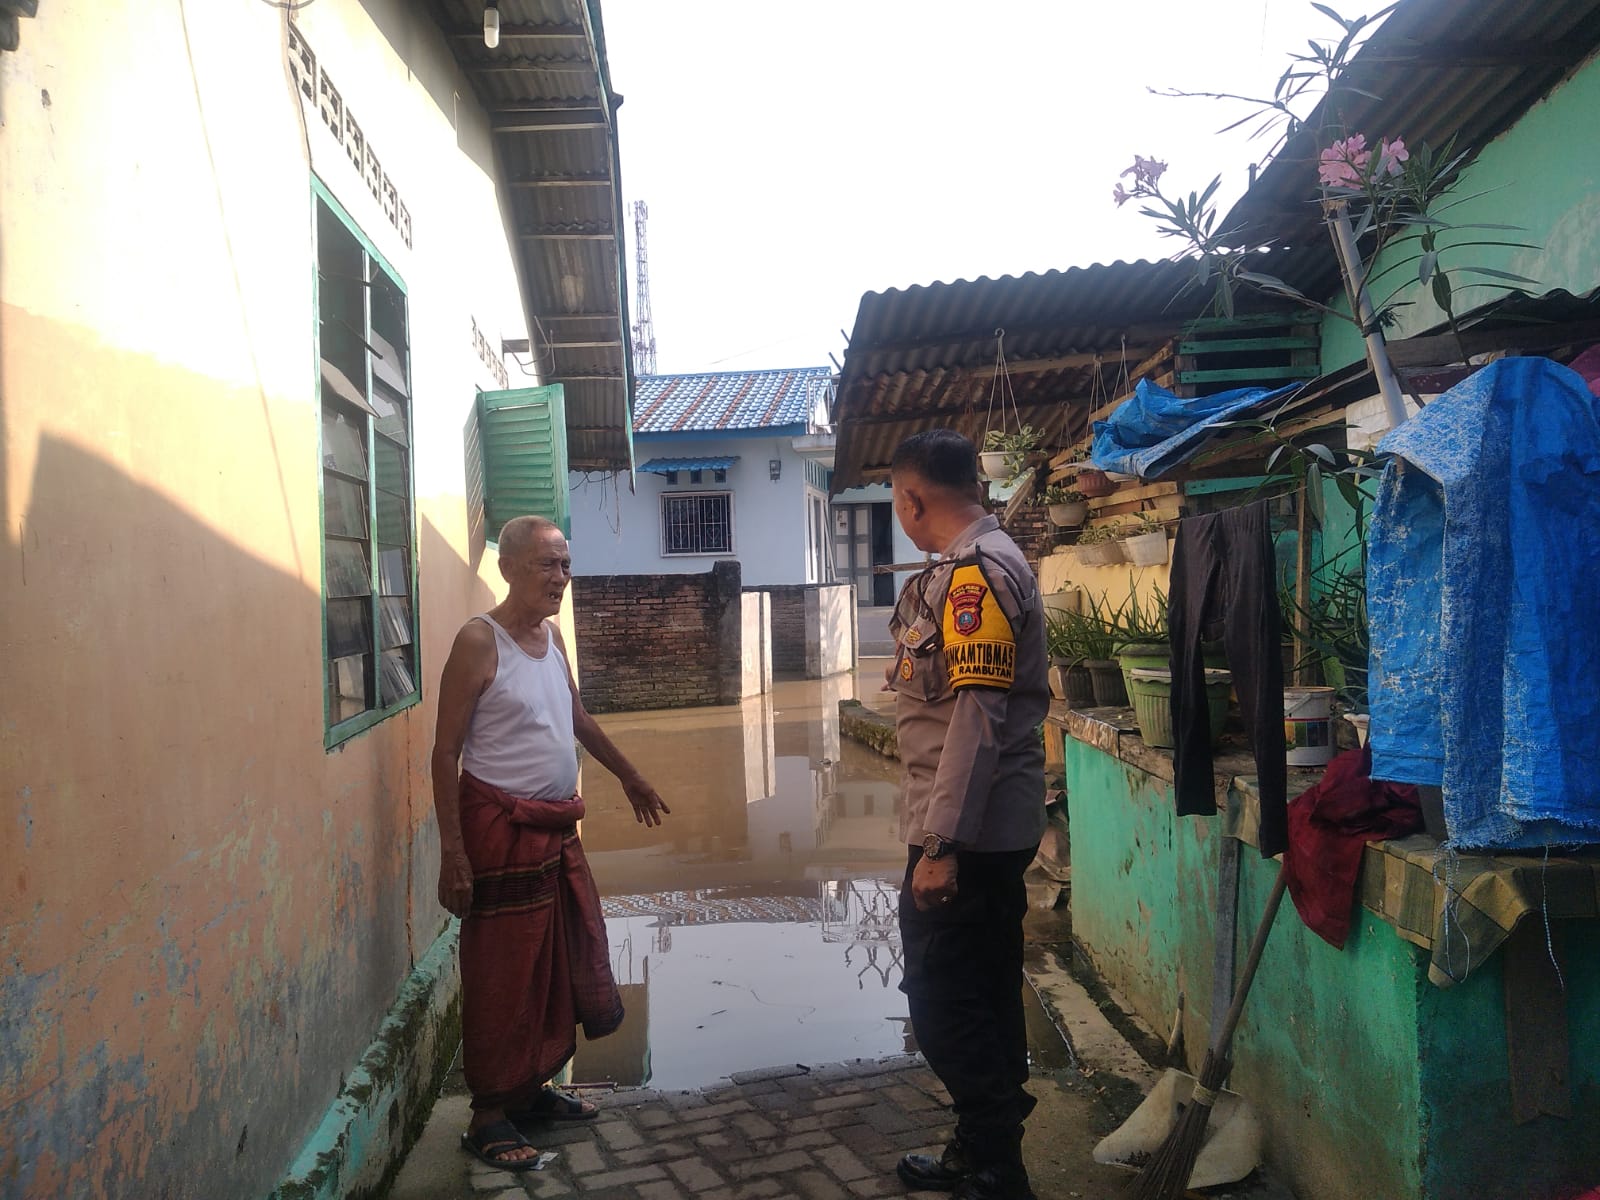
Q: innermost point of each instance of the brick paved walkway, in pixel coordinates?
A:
(787, 1133)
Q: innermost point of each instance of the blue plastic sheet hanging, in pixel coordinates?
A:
(1154, 430)
(1484, 607)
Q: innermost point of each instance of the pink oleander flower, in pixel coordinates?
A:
(1146, 173)
(1391, 155)
(1121, 195)
(1345, 163)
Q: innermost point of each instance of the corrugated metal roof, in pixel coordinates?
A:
(723, 400)
(924, 357)
(1436, 70)
(548, 94)
(661, 466)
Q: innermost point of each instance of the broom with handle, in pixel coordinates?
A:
(1166, 1175)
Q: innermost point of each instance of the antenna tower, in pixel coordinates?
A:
(644, 328)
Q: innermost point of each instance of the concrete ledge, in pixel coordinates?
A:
(357, 1149)
(860, 724)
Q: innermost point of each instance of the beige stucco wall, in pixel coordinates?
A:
(205, 913)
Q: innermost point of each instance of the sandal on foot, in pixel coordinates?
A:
(493, 1140)
(553, 1105)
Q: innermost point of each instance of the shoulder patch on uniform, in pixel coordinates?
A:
(979, 646)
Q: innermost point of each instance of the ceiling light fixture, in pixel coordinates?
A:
(491, 24)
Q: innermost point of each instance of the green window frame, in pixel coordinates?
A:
(523, 439)
(370, 660)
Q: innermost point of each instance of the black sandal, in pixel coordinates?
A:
(554, 1105)
(497, 1139)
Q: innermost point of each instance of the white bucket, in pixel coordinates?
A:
(1308, 726)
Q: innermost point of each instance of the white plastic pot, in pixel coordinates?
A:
(1099, 554)
(1073, 512)
(1146, 549)
(993, 463)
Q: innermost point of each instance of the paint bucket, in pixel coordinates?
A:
(1308, 726)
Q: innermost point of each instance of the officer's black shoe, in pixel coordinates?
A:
(924, 1173)
(995, 1183)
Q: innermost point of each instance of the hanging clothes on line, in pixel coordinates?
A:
(1224, 580)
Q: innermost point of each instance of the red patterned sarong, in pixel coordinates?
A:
(534, 959)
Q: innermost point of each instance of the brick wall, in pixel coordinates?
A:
(658, 641)
(788, 628)
(805, 641)
(1031, 530)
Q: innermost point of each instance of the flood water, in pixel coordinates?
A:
(756, 926)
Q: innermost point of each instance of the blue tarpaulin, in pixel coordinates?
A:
(1153, 430)
(1483, 595)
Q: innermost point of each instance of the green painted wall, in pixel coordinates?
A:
(1327, 1048)
(1372, 1081)
(1466, 1099)
(1543, 175)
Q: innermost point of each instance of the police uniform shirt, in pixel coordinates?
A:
(969, 671)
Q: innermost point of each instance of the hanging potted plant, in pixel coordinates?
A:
(1005, 454)
(1095, 483)
(1066, 506)
(1097, 546)
(1144, 544)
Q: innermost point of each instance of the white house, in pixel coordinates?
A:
(732, 465)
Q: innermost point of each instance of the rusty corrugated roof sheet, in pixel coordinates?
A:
(1436, 70)
(924, 357)
(548, 94)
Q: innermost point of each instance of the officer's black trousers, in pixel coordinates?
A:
(963, 977)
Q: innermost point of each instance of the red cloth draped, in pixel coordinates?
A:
(1330, 825)
(534, 958)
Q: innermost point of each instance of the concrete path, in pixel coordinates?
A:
(825, 1133)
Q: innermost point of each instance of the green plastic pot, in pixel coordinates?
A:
(1150, 689)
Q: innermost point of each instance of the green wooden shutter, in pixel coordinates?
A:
(524, 435)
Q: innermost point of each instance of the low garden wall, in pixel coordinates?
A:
(660, 641)
(1370, 1079)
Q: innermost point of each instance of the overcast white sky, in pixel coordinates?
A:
(794, 156)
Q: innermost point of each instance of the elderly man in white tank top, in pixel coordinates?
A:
(534, 960)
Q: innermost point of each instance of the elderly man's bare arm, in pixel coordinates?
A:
(467, 672)
(648, 807)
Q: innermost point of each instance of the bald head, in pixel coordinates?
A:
(521, 534)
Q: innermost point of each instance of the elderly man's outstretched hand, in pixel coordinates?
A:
(648, 807)
(455, 883)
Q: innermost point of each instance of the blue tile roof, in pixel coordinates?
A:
(660, 466)
(718, 400)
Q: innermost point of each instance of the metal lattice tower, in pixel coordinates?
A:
(644, 328)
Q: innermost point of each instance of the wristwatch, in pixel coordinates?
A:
(935, 847)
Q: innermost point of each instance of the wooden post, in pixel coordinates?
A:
(1304, 668)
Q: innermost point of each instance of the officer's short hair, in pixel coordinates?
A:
(941, 456)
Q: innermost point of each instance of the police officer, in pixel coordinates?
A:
(969, 671)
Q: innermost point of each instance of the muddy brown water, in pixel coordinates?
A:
(756, 926)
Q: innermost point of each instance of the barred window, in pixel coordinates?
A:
(700, 523)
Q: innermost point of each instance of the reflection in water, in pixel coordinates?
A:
(757, 925)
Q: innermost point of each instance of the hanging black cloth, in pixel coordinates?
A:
(1224, 580)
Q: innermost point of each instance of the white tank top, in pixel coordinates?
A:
(520, 738)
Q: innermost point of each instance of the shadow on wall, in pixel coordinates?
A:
(207, 915)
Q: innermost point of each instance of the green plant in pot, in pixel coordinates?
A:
(1099, 545)
(1004, 455)
(1144, 656)
(1067, 647)
(1066, 506)
(1095, 631)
